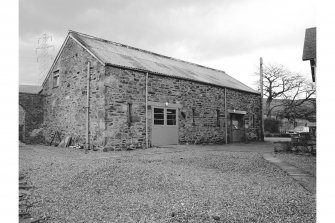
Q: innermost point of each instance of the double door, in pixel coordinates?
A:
(164, 126)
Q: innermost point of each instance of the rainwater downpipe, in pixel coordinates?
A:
(146, 111)
(225, 110)
(88, 108)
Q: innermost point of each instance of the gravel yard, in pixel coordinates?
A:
(306, 163)
(159, 186)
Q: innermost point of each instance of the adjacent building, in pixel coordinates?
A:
(309, 52)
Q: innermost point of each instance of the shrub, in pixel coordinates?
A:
(271, 125)
(285, 135)
(282, 147)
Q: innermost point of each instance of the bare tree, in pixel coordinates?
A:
(293, 90)
(300, 102)
(277, 81)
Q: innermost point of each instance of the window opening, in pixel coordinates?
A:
(158, 116)
(171, 117)
(235, 124)
(129, 114)
(193, 114)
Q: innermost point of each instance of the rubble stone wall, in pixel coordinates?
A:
(30, 117)
(251, 103)
(201, 116)
(125, 93)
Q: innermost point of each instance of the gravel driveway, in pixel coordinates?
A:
(160, 185)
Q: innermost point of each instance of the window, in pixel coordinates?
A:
(56, 78)
(165, 116)
(158, 116)
(171, 116)
(235, 124)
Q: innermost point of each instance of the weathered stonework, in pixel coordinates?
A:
(125, 87)
(244, 101)
(204, 99)
(65, 105)
(30, 117)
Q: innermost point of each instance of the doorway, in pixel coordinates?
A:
(237, 127)
(164, 126)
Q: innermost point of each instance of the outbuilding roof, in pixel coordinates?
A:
(31, 89)
(111, 53)
(309, 44)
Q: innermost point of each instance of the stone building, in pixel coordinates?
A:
(139, 98)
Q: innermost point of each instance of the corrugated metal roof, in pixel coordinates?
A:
(125, 56)
(31, 89)
(309, 44)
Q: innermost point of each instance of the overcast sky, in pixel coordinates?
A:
(229, 35)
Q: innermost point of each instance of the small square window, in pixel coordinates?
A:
(55, 79)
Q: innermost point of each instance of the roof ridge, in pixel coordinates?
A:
(79, 34)
(141, 50)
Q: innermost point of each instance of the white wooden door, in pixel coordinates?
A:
(164, 126)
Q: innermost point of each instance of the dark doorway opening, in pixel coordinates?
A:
(237, 127)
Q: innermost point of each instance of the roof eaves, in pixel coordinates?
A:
(183, 78)
(308, 58)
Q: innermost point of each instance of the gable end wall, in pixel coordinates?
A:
(65, 106)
